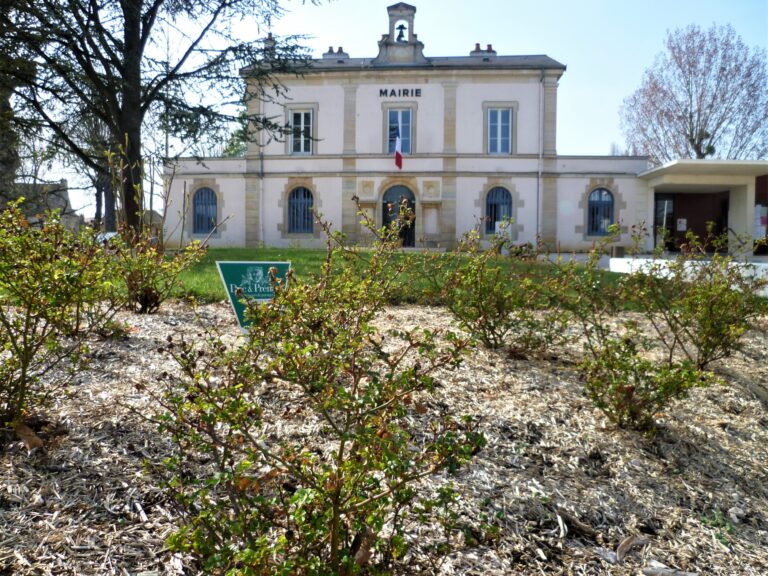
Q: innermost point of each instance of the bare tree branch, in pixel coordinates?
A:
(706, 96)
(105, 58)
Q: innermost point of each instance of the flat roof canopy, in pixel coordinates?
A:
(703, 175)
(708, 167)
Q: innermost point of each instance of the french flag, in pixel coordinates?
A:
(398, 150)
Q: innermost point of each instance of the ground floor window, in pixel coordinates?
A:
(300, 214)
(498, 207)
(204, 211)
(600, 212)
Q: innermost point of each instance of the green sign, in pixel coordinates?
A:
(249, 281)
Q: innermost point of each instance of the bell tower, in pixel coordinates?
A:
(400, 46)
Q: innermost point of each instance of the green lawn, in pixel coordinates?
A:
(202, 281)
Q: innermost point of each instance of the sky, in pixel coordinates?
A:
(605, 44)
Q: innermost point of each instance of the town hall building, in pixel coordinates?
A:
(476, 136)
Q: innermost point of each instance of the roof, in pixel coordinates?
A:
(535, 62)
(707, 168)
(531, 62)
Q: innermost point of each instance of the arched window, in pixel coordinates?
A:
(599, 212)
(498, 207)
(300, 217)
(204, 211)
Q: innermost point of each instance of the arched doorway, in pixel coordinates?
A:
(393, 198)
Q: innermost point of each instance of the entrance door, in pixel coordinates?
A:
(679, 214)
(393, 199)
(664, 221)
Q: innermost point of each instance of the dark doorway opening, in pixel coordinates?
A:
(394, 198)
(677, 214)
(761, 215)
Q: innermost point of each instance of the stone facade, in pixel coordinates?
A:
(478, 134)
(41, 198)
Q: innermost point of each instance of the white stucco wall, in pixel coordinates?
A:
(628, 165)
(371, 119)
(326, 193)
(328, 99)
(631, 207)
(430, 173)
(470, 205)
(226, 178)
(327, 102)
(470, 123)
(430, 127)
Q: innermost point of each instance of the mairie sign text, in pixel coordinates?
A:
(399, 92)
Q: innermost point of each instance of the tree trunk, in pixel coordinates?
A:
(99, 185)
(9, 154)
(110, 220)
(131, 116)
(132, 177)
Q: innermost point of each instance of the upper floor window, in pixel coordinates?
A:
(399, 122)
(500, 130)
(203, 211)
(300, 215)
(498, 208)
(301, 131)
(599, 212)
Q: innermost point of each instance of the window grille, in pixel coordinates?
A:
(204, 211)
(498, 207)
(300, 215)
(599, 212)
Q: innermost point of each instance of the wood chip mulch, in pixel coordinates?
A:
(557, 490)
